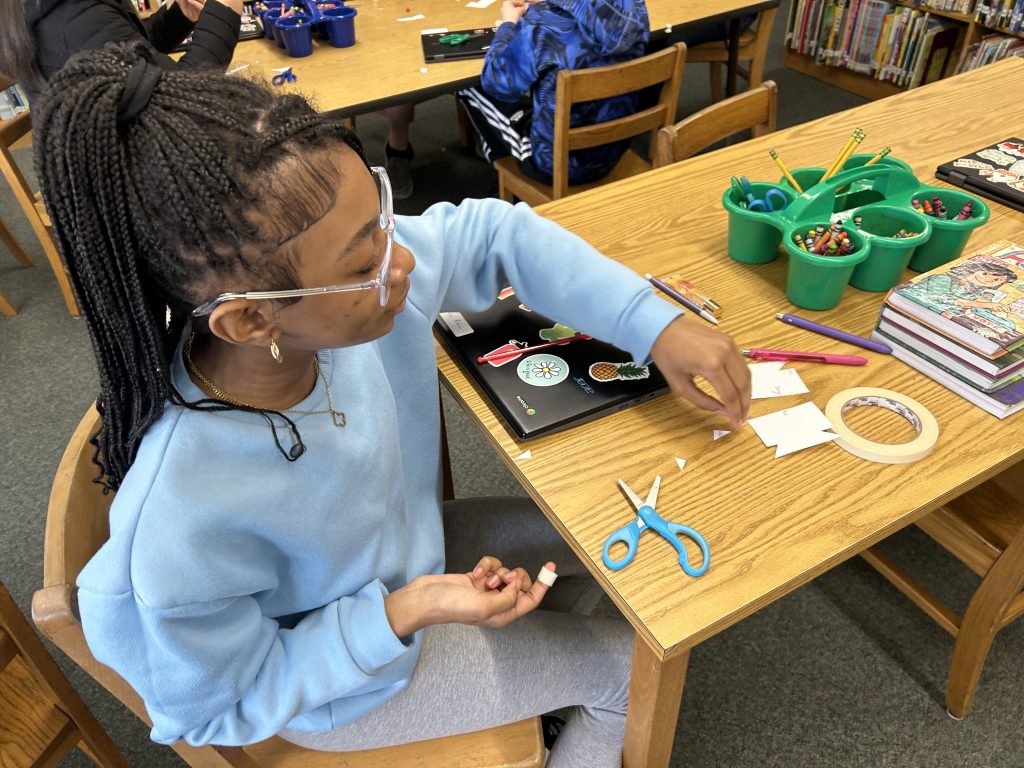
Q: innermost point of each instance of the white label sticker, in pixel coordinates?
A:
(456, 323)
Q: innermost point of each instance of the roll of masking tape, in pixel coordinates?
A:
(884, 453)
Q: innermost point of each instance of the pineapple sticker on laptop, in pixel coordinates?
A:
(623, 371)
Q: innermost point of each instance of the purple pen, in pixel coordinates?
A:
(833, 333)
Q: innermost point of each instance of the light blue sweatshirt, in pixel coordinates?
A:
(240, 593)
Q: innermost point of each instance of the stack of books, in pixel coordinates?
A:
(962, 324)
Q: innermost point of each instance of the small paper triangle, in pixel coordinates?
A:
(720, 433)
(680, 463)
(524, 455)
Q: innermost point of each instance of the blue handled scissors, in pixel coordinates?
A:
(773, 199)
(284, 76)
(647, 518)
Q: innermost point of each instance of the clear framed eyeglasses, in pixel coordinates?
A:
(382, 281)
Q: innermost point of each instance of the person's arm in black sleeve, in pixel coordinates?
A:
(214, 38)
(167, 28)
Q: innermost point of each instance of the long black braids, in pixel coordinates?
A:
(166, 188)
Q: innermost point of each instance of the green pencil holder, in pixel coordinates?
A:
(816, 281)
(753, 236)
(889, 256)
(949, 236)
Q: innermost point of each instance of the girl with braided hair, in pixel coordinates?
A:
(279, 559)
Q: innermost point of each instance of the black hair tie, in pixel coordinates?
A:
(138, 90)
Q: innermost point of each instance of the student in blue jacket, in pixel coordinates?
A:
(537, 39)
(279, 559)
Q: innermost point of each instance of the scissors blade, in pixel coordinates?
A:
(629, 493)
(652, 495)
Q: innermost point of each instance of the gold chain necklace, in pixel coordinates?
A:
(338, 417)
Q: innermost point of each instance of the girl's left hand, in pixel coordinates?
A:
(191, 8)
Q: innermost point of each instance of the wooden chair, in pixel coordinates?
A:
(12, 130)
(573, 86)
(984, 529)
(753, 49)
(76, 526)
(42, 718)
(14, 247)
(752, 110)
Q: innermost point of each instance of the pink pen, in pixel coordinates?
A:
(807, 357)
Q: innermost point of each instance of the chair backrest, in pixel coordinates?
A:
(11, 130)
(41, 716)
(663, 68)
(752, 110)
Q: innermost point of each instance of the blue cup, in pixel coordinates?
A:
(319, 28)
(341, 26)
(269, 18)
(297, 32)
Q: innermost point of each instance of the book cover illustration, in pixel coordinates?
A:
(984, 293)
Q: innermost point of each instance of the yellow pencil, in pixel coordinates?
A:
(785, 170)
(879, 156)
(844, 154)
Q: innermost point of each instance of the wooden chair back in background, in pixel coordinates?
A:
(11, 131)
(42, 717)
(752, 110)
(664, 68)
(984, 529)
(753, 49)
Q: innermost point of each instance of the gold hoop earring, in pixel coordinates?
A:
(275, 352)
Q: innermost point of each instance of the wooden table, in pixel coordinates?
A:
(772, 524)
(384, 67)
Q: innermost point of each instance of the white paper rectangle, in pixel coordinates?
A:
(772, 380)
(413, 18)
(480, 3)
(792, 426)
(456, 323)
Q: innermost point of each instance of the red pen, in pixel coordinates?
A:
(807, 357)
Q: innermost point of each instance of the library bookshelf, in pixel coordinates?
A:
(966, 30)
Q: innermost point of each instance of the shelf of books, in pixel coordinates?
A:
(962, 325)
(876, 48)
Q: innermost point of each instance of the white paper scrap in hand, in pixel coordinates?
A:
(793, 429)
(719, 433)
(772, 380)
(524, 455)
(680, 463)
(547, 576)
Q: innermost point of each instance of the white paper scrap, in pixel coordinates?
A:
(793, 429)
(456, 323)
(417, 17)
(480, 3)
(719, 433)
(772, 380)
(680, 463)
(524, 455)
(435, 31)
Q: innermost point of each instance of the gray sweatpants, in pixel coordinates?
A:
(470, 678)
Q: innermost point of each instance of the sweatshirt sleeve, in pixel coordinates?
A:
(220, 672)
(167, 28)
(510, 67)
(484, 245)
(214, 39)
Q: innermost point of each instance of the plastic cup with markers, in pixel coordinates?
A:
(896, 234)
(297, 32)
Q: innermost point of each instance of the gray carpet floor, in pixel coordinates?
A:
(843, 672)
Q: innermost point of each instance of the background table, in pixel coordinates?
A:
(384, 67)
(772, 524)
